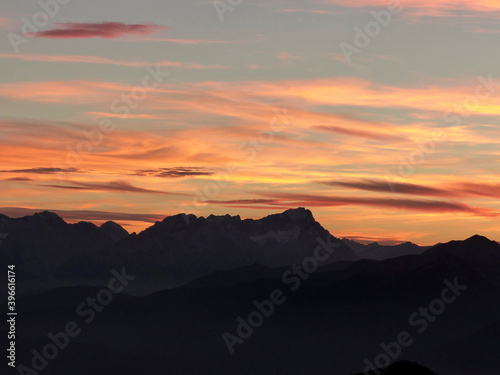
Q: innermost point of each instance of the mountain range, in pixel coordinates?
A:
(174, 251)
(198, 279)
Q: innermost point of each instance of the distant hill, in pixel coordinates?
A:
(381, 252)
(336, 319)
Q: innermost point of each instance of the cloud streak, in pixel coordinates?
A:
(115, 186)
(19, 179)
(359, 133)
(429, 8)
(41, 170)
(457, 190)
(430, 206)
(105, 61)
(386, 187)
(106, 30)
(173, 172)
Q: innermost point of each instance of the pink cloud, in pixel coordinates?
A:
(188, 41)
(105, 61)
(106, 30)
(6, 23)
(428, 8)
(286, 56)
(308, 10)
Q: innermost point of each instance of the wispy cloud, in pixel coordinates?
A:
(456, 190)
(173, 172)
(479, 189)
(287, 56)
(19, 179)
(6, 23)
(189, 41)
(360, 133)
(41, 170)
(117, 186)
(431, 206)
(105, 30)
(105, 61)
(307, 10)
(430, 8)
(384, 187)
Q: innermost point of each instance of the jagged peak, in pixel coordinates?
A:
(295, 214)
(114, 230)
(47, 216)
(299, 214)
(111, 224)
(223, 218)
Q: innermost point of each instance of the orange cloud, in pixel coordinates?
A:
(106, 61)
(433, 8)
(250, 98)
(287, 56)
(117, 186)
(456, 190)
(311, 200)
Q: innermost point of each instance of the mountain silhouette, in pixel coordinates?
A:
(194, 278)
(381, 252)
(176, 250)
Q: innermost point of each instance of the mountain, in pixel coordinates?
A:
(332, 319)
(476, 248)
(381, 252)
(114, 231)
(44, 240)
(338, 318)
(182, 248)
(479, 251)
(176, 250)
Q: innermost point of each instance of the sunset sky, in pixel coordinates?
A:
(133, 110)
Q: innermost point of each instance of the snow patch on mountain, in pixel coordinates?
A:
(282, 236)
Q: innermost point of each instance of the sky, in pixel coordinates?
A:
(381, 117)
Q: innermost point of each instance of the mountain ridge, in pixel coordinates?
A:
(182, 248)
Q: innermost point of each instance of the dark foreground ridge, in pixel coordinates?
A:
(182, 287)
(402, 368)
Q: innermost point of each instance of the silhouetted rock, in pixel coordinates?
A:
(114, 231)
(381, 252)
